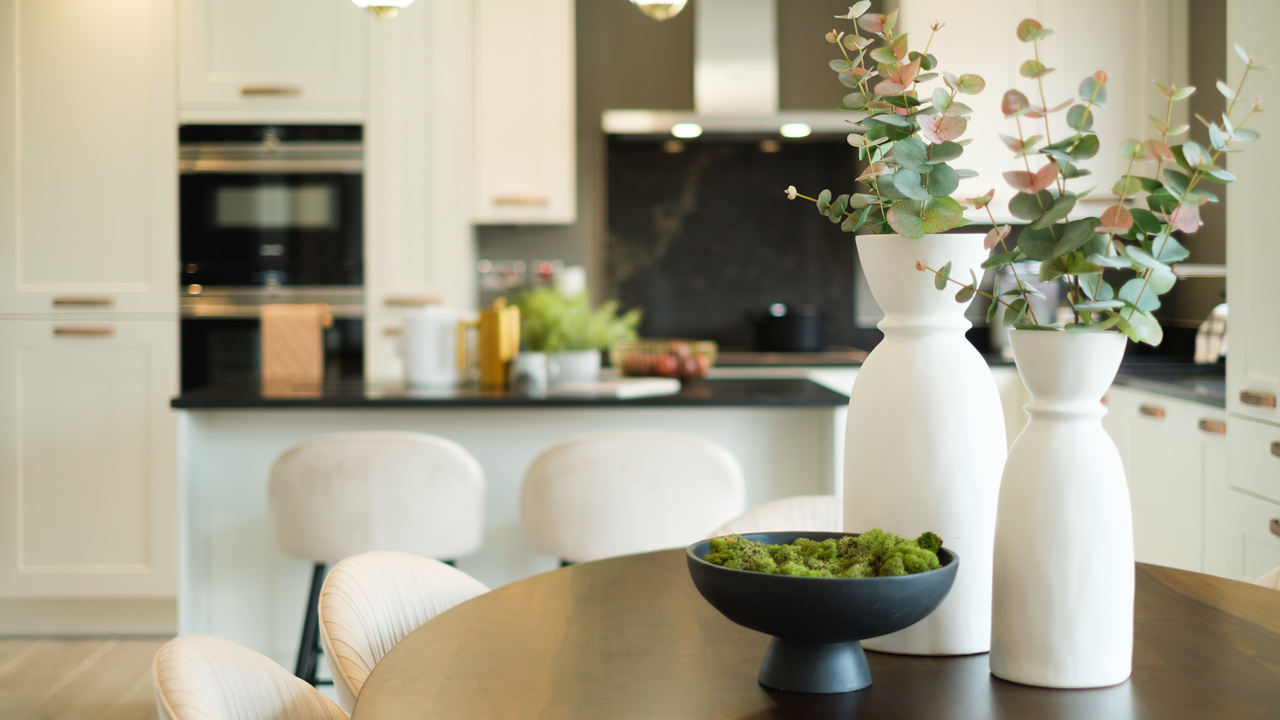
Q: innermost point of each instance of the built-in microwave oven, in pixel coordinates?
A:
(268, 214)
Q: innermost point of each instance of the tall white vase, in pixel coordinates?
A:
(925, 442)
(1062, 611)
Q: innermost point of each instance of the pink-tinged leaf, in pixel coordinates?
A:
(877, 169)
(1020, 180)
(929, 129)
(921, 265)
(1013, 143)
(1100, 78)
(1044, 177)
(1014, 103)
(834, 37)
(856, 42)
(899, 80)
(981, 202)
(995, 235)
(1159, 150)
(1027, 29)
(1115, 220)
(950, 127)
(873, 23)
(1186, 218)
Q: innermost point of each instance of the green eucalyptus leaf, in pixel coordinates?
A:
(942, 214)
(1127, 185)
(944, 151)
(1091, 90)
(854, 222)
(994, 307)
(1095, 287)
(824, 201)
(912, 154)
(1034, 69)
(1026, 206)
(1172, 251)
(965, 173)
(908, 183)
(1062, 206)
(1144, 326)
(1176, 181)
(943, 180)
(1162, 201)
(1085, 148)
(1143, 259)
(841, 66)
(904, 218)
(1077, 233)
(1216, 174)
(1006, 258)
(1079, 118)
(854, 101)
(1015, 312)
(1036, 244)
(1111, 261)
(940, 279)
(941, 100)
(1161, 281)
(1097, 306)
(1145, 221)
(1136, 293)
(965, 294)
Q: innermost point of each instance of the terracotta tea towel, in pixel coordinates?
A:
(293, 341)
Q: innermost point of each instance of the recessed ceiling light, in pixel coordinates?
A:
(660, 9)
(795, 130)
(686, 130)
(383, 9)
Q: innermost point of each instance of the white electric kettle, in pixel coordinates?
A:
(431, 347)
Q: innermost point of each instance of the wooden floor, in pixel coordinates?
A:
(100, 678)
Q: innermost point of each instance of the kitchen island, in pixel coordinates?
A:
(786, 432)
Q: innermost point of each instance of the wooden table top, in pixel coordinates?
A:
(631, 637)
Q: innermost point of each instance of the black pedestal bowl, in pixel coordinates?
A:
(816, 623)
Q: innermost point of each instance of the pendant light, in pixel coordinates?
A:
(384, 10)
(660, 9)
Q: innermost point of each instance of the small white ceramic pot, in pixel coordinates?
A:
(576, 366)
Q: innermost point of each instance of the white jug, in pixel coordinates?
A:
(431, 347)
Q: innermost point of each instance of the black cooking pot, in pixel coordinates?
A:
(784, 328)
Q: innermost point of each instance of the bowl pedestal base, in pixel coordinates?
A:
(796, 666)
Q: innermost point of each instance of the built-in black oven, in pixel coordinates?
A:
(268, 214)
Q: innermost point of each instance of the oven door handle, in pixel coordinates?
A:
(188, 166)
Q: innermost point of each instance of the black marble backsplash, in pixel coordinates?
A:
(705, 239)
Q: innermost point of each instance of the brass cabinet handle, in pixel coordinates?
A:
(1275, 526)
(393, 331)
(1257, 399)
(411, 301)
(83, 301)
(84, 331)
(1213, 427)
(270, 91)
(1152, 411)
(521, 200)
(1275, 449)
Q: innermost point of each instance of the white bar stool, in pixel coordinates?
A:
(342, 494)
(617, 493)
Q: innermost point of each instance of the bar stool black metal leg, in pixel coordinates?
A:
(309, 648)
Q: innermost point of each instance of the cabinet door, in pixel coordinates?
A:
(87, 458)
(88, 157)
(1253, 362)
(275, 60)
(1168, 460)
(419, 241)
(1248, 546)
(1141, 40)
(525, 119)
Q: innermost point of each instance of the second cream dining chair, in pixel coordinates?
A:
(198, 677)
(800, 512)
(371, 601)
(341, 494)
(617, 493)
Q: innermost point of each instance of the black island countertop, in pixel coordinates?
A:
(707, 392)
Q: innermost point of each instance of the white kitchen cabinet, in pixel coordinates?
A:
(1253, 361)
(1244, 540)
(272, 60)
(525, 133)
(88, 470)
(1140, 40)
(88, 157)
(1174, 456)
(419, 241)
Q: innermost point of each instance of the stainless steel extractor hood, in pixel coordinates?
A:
(735, 81)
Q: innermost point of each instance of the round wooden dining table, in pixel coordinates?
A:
(630, 637)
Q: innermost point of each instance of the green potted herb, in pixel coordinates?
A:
(571, 332)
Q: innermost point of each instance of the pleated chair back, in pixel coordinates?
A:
(371, 601)
(197, 677)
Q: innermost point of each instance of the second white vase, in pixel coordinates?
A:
(925, 442)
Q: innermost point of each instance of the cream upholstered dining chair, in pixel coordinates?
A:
(616, 493)
(800, 512)
(371, 601)
(1271, 579)
(341, 494)
(197, 677)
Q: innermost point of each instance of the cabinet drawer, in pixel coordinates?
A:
(1255, 457)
